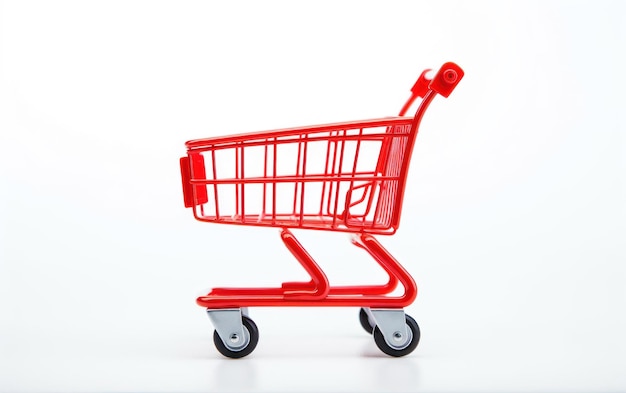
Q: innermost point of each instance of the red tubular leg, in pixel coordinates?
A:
(392, 266)
(384, 289)
(315, 289)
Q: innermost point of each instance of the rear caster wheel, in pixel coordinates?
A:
(405, 346)
(365, 321)
(251, 338)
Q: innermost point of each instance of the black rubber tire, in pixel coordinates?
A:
(383, 346)
(365, 322)
(253, 331)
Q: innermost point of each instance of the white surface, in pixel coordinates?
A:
(514, 219)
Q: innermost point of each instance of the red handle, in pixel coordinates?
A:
(443, 83)
(447, 78)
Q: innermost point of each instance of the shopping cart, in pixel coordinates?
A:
(343, 177)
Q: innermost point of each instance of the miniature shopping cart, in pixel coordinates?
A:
(342, 177)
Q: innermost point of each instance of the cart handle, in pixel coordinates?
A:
(448, 76)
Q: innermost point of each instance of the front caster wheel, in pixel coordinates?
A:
(406, 346)
(365, 321)
(251, 338)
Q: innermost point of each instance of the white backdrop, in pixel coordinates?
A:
(513, 222)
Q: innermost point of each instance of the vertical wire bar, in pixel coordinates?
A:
(217, 208)
(243, 184)
(275, 158)
(325, 174)
(236, 178)
(264, 178)
(295, 189)
(343, 145)
(332, 172)
(302, 185)
(195, 199)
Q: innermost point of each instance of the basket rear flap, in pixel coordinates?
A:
(195, 167)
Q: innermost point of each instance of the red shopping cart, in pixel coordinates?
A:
(344, 177)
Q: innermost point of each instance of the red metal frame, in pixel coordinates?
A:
(347, 177)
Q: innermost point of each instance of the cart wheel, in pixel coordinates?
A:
(397, 351)
(365, 321)
(251, 333)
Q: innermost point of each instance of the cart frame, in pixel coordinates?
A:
(362, 202)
